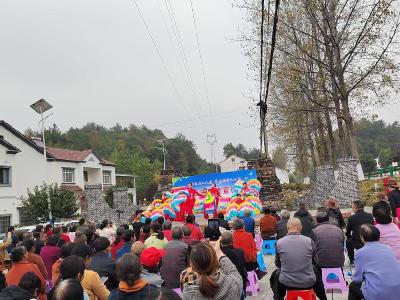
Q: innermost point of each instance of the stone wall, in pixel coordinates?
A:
(166, 176)
(345, 188)
(98, 209)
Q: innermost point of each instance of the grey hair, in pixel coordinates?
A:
(167, 224)
(285, 214)
(238, 224)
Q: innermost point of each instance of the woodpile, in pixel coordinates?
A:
(271, 190)
(166, 176)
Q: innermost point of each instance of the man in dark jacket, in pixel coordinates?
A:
(222, 222)
(354, 223)
(329, 243)
(103, 264)
(128, 237)
(175, 260)
(281, 226)
(394, 199)
(235, 255)
(307, 222)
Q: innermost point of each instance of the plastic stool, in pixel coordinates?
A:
(259, 241)
(252, 283)
(333, 279)
(301, 295)
(261, 262)
(178, 291)
(268, 247)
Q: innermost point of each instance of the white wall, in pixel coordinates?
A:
(29, 170)
(228, 165)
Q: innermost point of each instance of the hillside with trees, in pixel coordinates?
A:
(133, 149)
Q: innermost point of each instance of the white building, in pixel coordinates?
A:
(22, 167)
(234, 163)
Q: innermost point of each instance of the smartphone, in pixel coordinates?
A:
(213, 229)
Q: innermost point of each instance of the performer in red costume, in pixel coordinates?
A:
(191, 198)
(239, 200)
(216, 194)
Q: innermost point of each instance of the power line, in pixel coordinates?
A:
(182, 51)
(201, 60)
(164, 65)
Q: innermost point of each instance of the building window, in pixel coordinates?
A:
(68, 175)
(106, 177)
(5, 176)
(5, 222)
(85, 176)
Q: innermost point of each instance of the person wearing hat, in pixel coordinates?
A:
(150, 259)
(394, 200)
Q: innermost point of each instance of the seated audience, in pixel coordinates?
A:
(377, 271)
(156, 238)
(137, 224)
(91, 281)
(4, 256)
(131, 286)
(307, 222)
(268, 225)
(329, 243)
(34, 258)
(150, 260)
(80, 238)
(175, 260)
(38, 237)
(29, 288)
(167, 225)
(20, 267)
(69, 289)
(82, 228)
(50, 253)
(281, 226)
(162, 294)
(118, 242)
(389, 232)
(187, 235)
(64, 234)
(102, 263)
(382, 203)
(196, 234)
(72, 267)
(222, 222)
(244, 240)
(335, 215)
(211, 275)
(235, 255)
(294, 259)
(48, 230)
(138, 248)
(249, 223)
(145, 233)
(275, 214)
(127, 236)
(55, 269)
(106, 231)
(354, 224)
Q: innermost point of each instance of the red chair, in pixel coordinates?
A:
(301, 295)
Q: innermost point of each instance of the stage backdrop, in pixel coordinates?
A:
(224, 181)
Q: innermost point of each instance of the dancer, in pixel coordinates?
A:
(191, 198)
(216, 193)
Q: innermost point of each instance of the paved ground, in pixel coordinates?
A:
(266, 292)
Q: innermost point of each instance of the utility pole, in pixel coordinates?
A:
(164, 151)
(212, 140)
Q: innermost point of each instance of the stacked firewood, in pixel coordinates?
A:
(271, 190)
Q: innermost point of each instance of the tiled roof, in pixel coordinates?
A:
(72, 187)
(67, 154)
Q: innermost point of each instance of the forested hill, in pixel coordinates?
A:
(132, 149)
(377, 139)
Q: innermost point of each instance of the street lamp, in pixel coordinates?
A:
(164, 151)
(41, 106)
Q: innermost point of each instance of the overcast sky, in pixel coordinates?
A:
(94, 61)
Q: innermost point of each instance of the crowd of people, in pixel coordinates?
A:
(162, 260)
